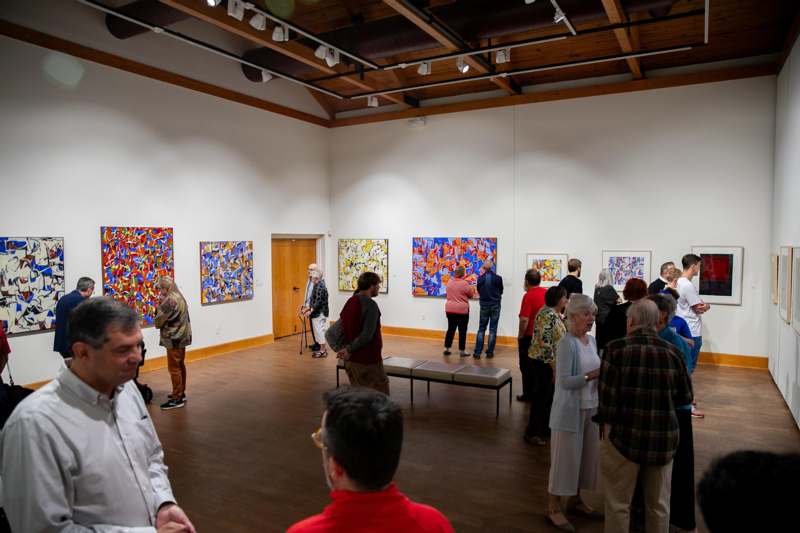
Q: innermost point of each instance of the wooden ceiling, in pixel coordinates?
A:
(388, 32)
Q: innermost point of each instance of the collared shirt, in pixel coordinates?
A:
(642, 381)
(76, 460)
(548, 329)
(385, 511)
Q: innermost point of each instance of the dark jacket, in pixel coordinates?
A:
(63, 309)
(657, 286)
(318, 302)
(490, 288)
(361, 322)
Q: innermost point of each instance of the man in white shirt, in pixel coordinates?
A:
(690, 308)
(81, 453)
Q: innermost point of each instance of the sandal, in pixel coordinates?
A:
(562, 523)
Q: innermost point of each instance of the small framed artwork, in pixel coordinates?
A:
(795, 305)
(785, 284)
(774, 278)
(720, 279)
(627, 264)
(552, 267)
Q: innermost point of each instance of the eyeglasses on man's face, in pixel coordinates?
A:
(317, 438)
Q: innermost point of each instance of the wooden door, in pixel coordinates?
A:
(290, 260)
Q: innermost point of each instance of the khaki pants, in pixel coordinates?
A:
(176, 364)
(619, 480)
(372, 376)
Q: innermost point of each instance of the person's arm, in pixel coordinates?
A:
(371, 316)
(500, 283)
(165, 312)
(523, 325)
(524, 316)
(565, 358)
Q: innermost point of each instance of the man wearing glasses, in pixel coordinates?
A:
(360, 439)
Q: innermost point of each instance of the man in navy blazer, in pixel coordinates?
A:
(64, 307)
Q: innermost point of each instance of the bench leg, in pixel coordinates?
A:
(412, 391)
(510, 391)
(429, 389)
(497, 403)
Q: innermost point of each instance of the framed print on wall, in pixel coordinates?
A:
(720, 278)
(226, 271)
(774, 276)
(357, 256)
(626, 264)
(552, 267)
(434, 259)
(785, 284)
(795, 305)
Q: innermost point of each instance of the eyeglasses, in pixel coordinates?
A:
(317, 438)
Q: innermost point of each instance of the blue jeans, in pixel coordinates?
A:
(489, 315)
(698, 343)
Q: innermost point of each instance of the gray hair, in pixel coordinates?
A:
(579, 303)
(488, 265)
(666, 304)
(315, 274)
(604, 279)
(85, 283)
(667, 266)
(644, 314)
(90, 321)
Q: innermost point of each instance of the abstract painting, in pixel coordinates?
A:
(785, 284)
(720, 279)
(552, 267)
(31, 282)
(133, 259)
(226, 271)
(796, 289)
(626, 264)
(357, 256)
(434, 260)
(775, 274)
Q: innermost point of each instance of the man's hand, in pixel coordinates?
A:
(169, 516)
(594, 374)
(344, 355)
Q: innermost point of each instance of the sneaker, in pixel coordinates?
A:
(697, 413)
(172, 404)
(317, 355)
(462, 353)
(446, 351)
(489, 355)
(476, 356)
(183, 397)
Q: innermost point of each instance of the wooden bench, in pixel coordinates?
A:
(448, 373)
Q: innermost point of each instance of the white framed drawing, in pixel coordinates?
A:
(720, 278)
(785, 284)
(627, 264)
(795, 305)
(552, 267)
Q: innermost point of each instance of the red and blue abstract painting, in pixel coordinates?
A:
(31, 282)
(133, 260)
(226, 271)
(435, 259)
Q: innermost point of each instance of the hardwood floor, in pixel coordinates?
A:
(241, 458)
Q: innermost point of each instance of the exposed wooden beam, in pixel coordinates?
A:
(788, 43)
(323, 102)
(448, 42)
(567, 94)
(616, 15)
(298, 52)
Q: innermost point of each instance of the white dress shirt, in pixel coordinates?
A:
(74, 460)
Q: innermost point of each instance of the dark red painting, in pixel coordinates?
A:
(716, 274)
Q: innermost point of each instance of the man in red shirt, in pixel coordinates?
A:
(360, 438)
(531, 303)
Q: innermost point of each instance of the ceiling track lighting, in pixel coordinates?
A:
(236, 9)
(560, 17)
(372, 101)
(258, 22)
(461, 65)
(280, 34)
(332, 57)
(424, 68)
(213, 3)
(529, 2)
(502, 56)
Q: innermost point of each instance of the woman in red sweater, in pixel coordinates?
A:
(459, 291)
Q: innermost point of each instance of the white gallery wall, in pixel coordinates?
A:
(122, 150)
(784, 344)
(658, 170)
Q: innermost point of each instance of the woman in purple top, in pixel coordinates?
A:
(459, 291)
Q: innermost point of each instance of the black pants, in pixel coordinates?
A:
(455, 320)
(526, 366)
(542, 401)
(681, 504)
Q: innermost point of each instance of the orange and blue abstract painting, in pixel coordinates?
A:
(435, 259)
(226, 271)
(31, 282)
(133, 260)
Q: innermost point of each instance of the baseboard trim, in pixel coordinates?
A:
(739, 361)
(438, 334)
(206, 352)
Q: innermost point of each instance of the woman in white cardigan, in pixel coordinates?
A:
(575, 438)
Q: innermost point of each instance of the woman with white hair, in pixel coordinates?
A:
(605, 298)
(575, 437)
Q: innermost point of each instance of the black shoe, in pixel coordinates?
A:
(522, 398)
(317, 355)
(172, 404)
(315, 347)
(489, 355)
(447, 351)
(183, 397)
(476, 356)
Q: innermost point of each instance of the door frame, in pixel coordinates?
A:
(319, 238)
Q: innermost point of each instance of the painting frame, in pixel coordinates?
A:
(795, 300)
(785, 284)
(342, 277)
(548, 280)
(427, 282)
(736, 274)
(645, 269)
(248, 289)
(51, 297)
(774, 278)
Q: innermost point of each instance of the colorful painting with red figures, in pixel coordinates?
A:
(434, 260)
(133, 259)
(716, 274)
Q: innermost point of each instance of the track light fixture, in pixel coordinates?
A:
(266, 76)
(558, 17)
(372, 101)
(529, 2)
(213, 3)
(332, 57)
(502, 56)
(280, 34)
(236, 9)
(321, 51)
(461, 65)
(424, 68)
(259, 22)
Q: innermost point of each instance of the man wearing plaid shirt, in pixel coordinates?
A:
(642, 381)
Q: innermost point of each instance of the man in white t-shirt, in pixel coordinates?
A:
(690, 308)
